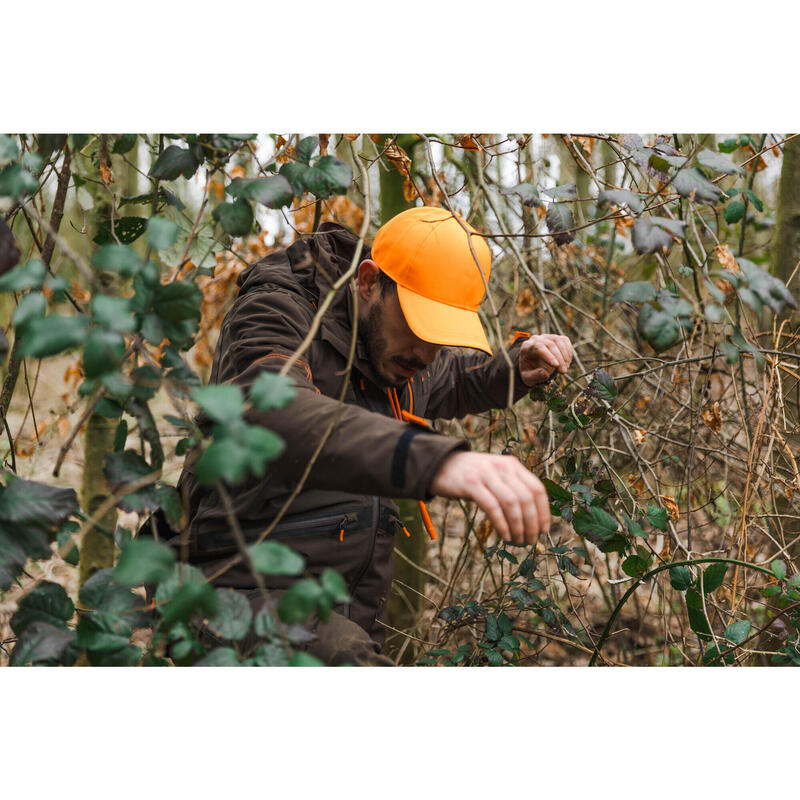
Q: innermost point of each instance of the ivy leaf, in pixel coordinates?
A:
(144, 561)
(114, 313)
(649, 238)
(172, 162)
(236, 218)
(126, 230)
(691, 182)
(567, 191)
(680, 578)
(223, 402)
(298, 176)
(528, 193)
(32, 306)
(273, 192)
(274, 558)
(305, 148)
(41, 642)
(233, 616)
(48, 336)
(621, 198)
(559, 220)
(162, 233)
(30, 275)
(271, 390)
(179, 301)
(102, 352)
(634, 292)
(48, 602)
(337, 176)
(300, 601)
(713, 577)
(718, 162)
(117, 258)
(223, 460)
(192, 598)
(737, 631)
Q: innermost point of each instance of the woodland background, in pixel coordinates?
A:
(669, 451)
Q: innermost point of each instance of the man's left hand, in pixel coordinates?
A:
(541, 355)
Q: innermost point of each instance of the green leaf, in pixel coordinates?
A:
(117, 258)
(144, 561)
(649, 238)
(40, 643)
(754, 199)
(274, 558)
(124, 144)
(224, 460)
(634, 566)
(778, 568)
(597, 525)
(30, 275)
(602, 386)
(126, 230)
(178, 301)
(557, 493)
(660, 329)
(15, 181)
(333, 584)
(236, 218)
(31, 306)
(734, 211)
(714, 313)
(300, 601)
(298, 175)
(712, 656)
(528, 193)
(495, 658)
(223, 402)
(729, 145)
(219, 657)
(737, 631)
(162, 233)
(621, 198)
(493, 632)
(718, 162)
(48, 336)
(559, 220)
(657, 517)
(273, 192)
(305, 660)
(271, 390)
(634, 292)
(8, 149)
(692, 183)
(127, 467)
(676, 227)
(713, 577)
(306, 148)
(233, 617)
(173, 162)
(48, 602)
(100, 591)
(337, 176)
(127, 656)
(102, 352)
(192, 598)
(680, 578)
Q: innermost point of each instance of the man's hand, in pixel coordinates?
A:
(514, 499)
(543, 354)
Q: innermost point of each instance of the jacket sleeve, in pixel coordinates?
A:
(470, 383)
(365, 452)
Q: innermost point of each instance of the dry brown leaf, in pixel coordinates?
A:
(727, 289)
(586, 142)
(525, 302)
(568, 314)
(643, 402)
(324, 138)
(712, 416)
(410, 192)
(788, 491)
(284, 157)
(622, 224)
(528, 434)
(725, 258)
(483, 532)
(106, 175)
(671, 506)
(376, 137)
(541, 211)
(398, 157)
(467, 141)
(63, 427)
(636, 482)
(664, 553)
(639, 435)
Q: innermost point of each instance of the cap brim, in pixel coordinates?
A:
(439, 323)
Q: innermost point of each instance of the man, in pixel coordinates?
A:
(416, 293)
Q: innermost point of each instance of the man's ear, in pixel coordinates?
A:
(367, 279)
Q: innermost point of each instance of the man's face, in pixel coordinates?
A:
(395, 352)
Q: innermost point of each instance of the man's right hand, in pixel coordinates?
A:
(514, 499)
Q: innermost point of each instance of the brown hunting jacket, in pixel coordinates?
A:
(369, 453)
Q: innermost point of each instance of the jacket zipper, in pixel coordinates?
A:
(371, 551)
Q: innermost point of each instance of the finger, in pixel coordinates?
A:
(565, 345)
(530, 511)
(508, 497)
(490, 505)
(541, 503)
(547, 352)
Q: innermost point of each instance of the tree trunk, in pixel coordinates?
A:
(405, 604)
(786, 245)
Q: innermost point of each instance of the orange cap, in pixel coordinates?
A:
(426, 252)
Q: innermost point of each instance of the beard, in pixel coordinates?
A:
(375, 344)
